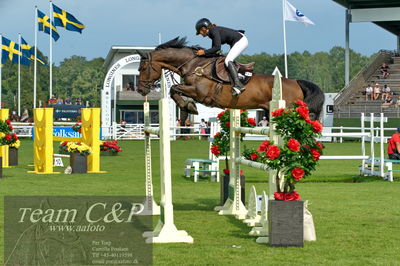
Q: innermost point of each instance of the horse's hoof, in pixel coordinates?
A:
(192, 109)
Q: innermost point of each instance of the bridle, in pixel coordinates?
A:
(149, 84)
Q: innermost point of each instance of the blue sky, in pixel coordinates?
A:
(138, 22)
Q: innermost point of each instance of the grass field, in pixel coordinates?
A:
(357, 223)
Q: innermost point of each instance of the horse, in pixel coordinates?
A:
(200, 85)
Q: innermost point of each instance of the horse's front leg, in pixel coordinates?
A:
(184, 103)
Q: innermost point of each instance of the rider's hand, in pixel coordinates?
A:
(200, 52)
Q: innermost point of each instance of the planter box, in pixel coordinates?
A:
(78, 163)
(108, 153)
(286, 223)
(12, 156)
(224, 183)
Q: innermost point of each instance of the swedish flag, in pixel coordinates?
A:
(44, 25)
(29, 52)
(64, 19)
(10, 50)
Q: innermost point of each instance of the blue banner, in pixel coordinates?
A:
(67, 110)
(62, 132)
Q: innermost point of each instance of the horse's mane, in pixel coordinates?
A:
(177, 43)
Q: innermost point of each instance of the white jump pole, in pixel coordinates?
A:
(166, 231)
(362, 142)
(372, 131)
(382, 133)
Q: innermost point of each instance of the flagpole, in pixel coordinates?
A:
(284, 37)
(19, 74)
(51, 51)
(1, 65)
(34, 63)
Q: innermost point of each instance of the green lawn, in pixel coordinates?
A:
(357, 223)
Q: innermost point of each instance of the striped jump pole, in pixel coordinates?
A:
(233, 205)
(165, 231)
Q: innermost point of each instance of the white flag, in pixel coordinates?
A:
(293, 14)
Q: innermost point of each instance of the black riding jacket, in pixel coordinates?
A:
(221, 35)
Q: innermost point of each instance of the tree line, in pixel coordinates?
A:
(78, 77)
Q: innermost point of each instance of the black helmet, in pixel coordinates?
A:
(204, 22)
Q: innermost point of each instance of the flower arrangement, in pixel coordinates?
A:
(220, 145)
(6, 135)
(111, 146)
(297, 157)
(77, 126)
(70, 147)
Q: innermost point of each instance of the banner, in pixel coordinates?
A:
(67, 110)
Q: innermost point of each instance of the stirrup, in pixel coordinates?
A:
(237, 91)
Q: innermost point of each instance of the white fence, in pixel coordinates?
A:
(135, 131)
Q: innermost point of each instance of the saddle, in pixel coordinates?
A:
(245, 71)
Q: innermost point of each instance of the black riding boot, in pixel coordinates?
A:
(237, 85)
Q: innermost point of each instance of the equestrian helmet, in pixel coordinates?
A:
(204, 22)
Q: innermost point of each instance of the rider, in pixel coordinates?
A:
(221, 35)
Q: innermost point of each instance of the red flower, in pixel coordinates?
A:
(320, 145)
(297, 173)
(8, 137)
(278, 112)
(286, 196)
(263, 146)
(64, 143)
(15, 136)
(251, 121)
(317, 127)
(279, 196)
(315, 154)
(293, 145)
(79, 130)
(253, 156)
(227, 171)
(228, 124)
(217, 135)
(243, 110)
(8, 122)
(79, 121)
(300, 103)
(220, 114)
(303, 112)
(273, 152)
(10, 126)
(215, 150)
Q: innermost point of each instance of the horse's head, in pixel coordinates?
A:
(150, 72)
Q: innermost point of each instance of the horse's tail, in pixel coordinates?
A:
(313, 96)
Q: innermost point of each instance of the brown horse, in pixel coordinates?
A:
(200, 85)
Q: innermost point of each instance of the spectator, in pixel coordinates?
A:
(14, 117)
(394, 146)
(59, 100)
(385, 92)
(384, 70)
(187, 130)
(78, 101)
(377, 91)
(203, 126)
(368, 92)
(388, 102)
(52, 100)
(25, 115)
(68, 101)
(263, 122)
(122, 122)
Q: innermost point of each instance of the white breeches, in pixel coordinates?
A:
(236, 50)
